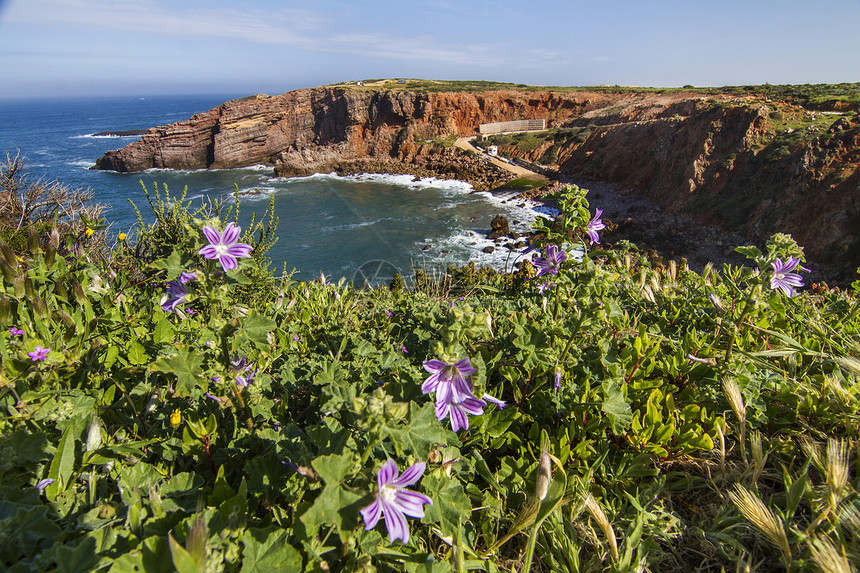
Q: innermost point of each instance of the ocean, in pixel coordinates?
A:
(363, 227)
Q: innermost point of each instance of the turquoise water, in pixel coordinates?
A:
(341, 226)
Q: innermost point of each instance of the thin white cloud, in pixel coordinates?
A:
(302, 29)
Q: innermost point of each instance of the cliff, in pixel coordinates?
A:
(737, 160)
(319, 129)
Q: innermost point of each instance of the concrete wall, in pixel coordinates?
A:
(518, 125)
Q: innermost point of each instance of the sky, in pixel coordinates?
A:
(56, 48)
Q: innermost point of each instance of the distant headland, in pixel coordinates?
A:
(754, 159)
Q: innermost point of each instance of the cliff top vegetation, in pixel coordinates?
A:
(810, 96)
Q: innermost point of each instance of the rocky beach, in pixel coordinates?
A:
(685, 174)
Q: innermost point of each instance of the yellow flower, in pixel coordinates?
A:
(89, 232)
(121, 236)
(175, 418)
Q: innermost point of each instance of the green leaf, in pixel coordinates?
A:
(335, 504)
(420, 434)
(185, 366)
(255, 328)
(182, 559)
(267, 550)
(62, 465)
(163, 331)
(78, 559)
(450, 503)
(136, 354)
(616, 406)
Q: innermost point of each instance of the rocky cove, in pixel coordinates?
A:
(689, 161)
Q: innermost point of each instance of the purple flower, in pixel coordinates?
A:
(242, 371)
(449, 381)
(225, 246)
(454, 395)
(296, 338)
(175, 295)
(388, 313)
(596, 224)
(458, 410)
(544, 287)
(394, 502)
(15, 331)
(190, 311)
(38, 354)
(403, 348)
(44, 483)
(551, 263)
(559, 373)
(186, 277)
(783, 277)
(492, 400)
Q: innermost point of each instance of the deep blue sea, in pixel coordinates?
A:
(353, 227)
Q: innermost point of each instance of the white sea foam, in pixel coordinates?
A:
(352, 226)
(252, 168)
(408, 181)
(85, 163)
(107, 136)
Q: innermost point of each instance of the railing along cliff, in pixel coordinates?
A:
(518, 125)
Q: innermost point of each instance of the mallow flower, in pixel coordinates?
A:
(449, 381)
(225, 246)
(457, 411)
(242, 370)
(38, 354)
(175, 295)
(596, 224)
(784, 278)
(394, 502)
(551, 263)
(455, 398)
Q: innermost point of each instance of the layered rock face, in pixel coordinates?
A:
(728, 160)
(312, 130)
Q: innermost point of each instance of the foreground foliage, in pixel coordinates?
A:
(162, 411)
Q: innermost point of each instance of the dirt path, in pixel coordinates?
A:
(466, 144)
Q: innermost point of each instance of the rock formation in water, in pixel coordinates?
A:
(741, 161)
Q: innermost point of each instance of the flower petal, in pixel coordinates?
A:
(464, 366)
(472, 406)
(387, 473)
(442, 409)
(213, 236)
(240, 250)
(459, 420)
(231, 233)
(371, 514)
(410, 476)
(433, 366)
(396, 523)
(208, 252)
(500, 404)
(228, 262)
(430, 384)
(412, 503)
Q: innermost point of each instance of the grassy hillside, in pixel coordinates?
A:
(166, 411)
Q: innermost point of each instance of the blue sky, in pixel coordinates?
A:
(144, 47)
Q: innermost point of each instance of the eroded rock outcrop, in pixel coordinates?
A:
(728, 160)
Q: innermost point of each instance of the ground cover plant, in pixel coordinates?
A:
(177, 407)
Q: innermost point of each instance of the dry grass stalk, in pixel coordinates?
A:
(837, 470)
(829, 557)
(596, 512)
(757, 513)
(759, 457)
(736, 401)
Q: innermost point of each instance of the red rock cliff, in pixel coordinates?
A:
(731, 160)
